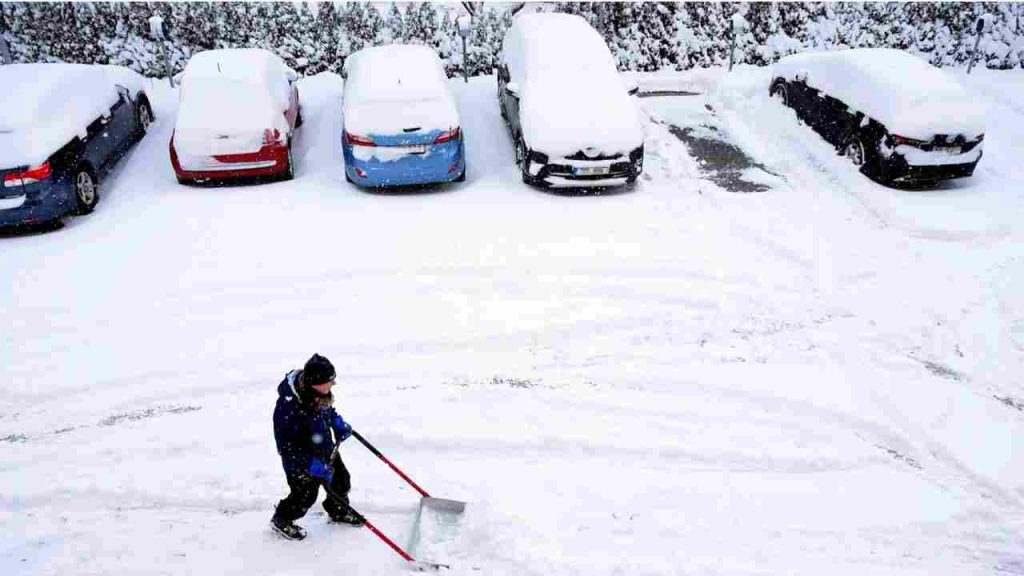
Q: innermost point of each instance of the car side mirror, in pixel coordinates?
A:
(292, 75)
(632, 87)
(123, 92)
(513, 88)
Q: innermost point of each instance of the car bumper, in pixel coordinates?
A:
(564, 173)
(898, 170)
(271, 161)
(37, 203)
(442, 163)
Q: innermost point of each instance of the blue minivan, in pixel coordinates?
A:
(401, 126)
(62, 128)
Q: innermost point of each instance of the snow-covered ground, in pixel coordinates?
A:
(823, 378)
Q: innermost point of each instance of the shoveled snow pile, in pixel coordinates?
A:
(909, 96)
(572, 97)
(228, 99)
(38, 117)
(394, 88)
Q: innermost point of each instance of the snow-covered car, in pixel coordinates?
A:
(62, 128)
(572, 118)
(896, 116)
(400, 125)
(238, 111)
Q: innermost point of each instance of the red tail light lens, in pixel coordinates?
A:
(353, 140)
(449, 136)
(30, 176)
(272, 137)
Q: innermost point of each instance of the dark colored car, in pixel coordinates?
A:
(62, 128)
(892, 114)
(572, 118)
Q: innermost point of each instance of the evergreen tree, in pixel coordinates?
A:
(395, 25)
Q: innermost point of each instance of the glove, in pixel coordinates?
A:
(341, 428)
(317, 469)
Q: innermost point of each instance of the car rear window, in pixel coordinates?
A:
(395, 74)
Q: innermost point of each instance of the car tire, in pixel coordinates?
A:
(143, 118)
(780, 92)
(521, 152)
(347, 177)
(289, 173)
(462, 177)
(87, 190)
(856, 152)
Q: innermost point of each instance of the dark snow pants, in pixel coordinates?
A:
(305, 489)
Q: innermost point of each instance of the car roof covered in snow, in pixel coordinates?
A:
(397, 72)
(571, 95)
(540, 42)
(46, 105)
(909, 96)
(389, 88)
(250, 65)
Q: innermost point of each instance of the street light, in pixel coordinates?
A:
(156, 29)
(465, 27)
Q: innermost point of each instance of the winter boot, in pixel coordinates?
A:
(288, 530)
(348, 516)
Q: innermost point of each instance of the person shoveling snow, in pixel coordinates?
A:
(303, 421)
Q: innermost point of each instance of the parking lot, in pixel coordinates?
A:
(770, 340)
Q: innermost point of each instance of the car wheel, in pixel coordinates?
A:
(289, 173)
(856, 152)
(87, 192)
(347, 177)
(462, 177)
(780, 93)
(145, 118)
(521, 160)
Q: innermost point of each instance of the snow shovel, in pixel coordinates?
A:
(420, 565)
(437, 521)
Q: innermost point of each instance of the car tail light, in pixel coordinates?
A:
(353, 140)
(30, 176)
(272, 137)
(901, 140)
(448, 136)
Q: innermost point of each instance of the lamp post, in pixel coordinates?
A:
(156, 29)
(737, 24)
(465, 27)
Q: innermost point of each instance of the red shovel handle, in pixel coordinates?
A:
(388, 541)
(388, 462)
(405, 555)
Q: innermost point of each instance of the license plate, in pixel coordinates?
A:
(947, 149)
(590, 171)
(420, 149)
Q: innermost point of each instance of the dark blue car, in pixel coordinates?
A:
(62, 128)
(401, 126)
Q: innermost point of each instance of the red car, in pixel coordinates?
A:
(238, 110)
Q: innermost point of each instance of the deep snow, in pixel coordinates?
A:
(821, 378)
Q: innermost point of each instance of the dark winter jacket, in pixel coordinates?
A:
(301, 431)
